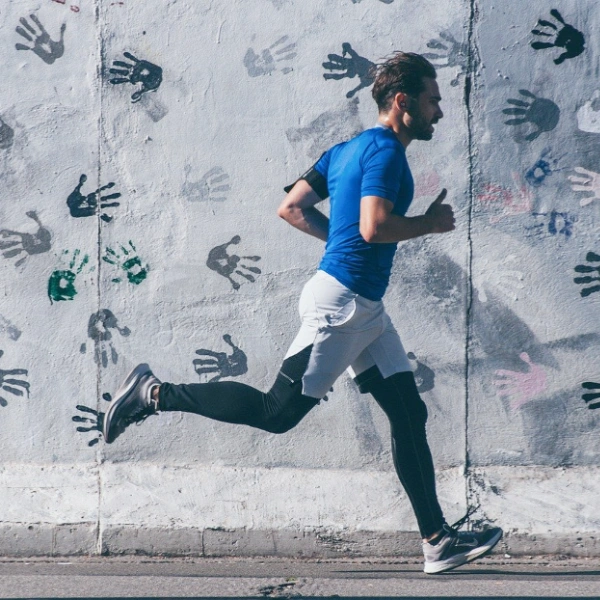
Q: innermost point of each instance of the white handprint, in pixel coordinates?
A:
(493, 274)
(586, 181)
(588, 116)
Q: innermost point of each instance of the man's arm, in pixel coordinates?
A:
(298, 209)
(378, 225)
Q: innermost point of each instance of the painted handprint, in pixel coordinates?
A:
(494, 275)
(212, 187)
(7, 135)
(451, 53)
(543, 168)
(424, 376)
(593, 267)
(540, 112)
(138, 71)
(521, 387)
(588, 116)
(592, 399)
(511, 202)
(43, 46)
(89, 205)
(61, 284)
(567, 37)
(329, 128)
(12, 381)
(221, 363)
(93, 422)
(127, 260)
(349, 65)
(14, 243)
(227, 264)
(99, 331)
(557, 223)
(13, 332)
(586, 182)
(266, 62)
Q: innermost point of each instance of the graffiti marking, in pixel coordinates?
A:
(9, 384)
(95, 422)
(225, 264)
(591, 257)
(541, 112)
(592, 399)
(520, 388)
(87, 206)
(212, 187)
(341, 67)
(44, 47)
(132, 265)
(586, 182)
(17, 242)
(141, 71)
(266, 62)
(221, 363)
(61, 284)
(569, 38)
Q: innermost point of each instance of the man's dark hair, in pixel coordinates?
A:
(403, 72)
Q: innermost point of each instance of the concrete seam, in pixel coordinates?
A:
(100, 68)
(469, 80)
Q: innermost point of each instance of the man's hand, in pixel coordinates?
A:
(441, 215)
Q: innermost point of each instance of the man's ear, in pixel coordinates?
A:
(401, 101)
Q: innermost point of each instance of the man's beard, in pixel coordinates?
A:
(419, 128)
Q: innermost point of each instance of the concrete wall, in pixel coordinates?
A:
(170, 251)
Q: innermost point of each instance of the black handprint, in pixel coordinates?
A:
(95, 422)
(99, 326)
(591, 257)
(220, 363)
(355, 66)
(87, 206)
(141, 71)
(266, 62)
(37, 243)
(452, 54)
(11, 385)
(542, 113)
(569, 38)
(594, 398)
(225, 264)
(47, 49)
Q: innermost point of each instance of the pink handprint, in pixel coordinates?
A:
(512, 202)
(518, 387)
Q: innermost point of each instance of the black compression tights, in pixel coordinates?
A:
(277, 411)
(284, 406)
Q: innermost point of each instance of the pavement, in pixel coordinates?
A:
(140, 577)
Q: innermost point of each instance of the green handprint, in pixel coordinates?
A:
(61, 285)
(132, 265)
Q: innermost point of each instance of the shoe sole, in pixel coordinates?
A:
(468, 557)
(121, 395)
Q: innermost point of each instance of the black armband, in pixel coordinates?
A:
(316, 181)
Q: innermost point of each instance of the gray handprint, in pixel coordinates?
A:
(9, 384)
(99, 330)
(47, 49)
(541, 112)
(94, 422)
(266, 62)
(354, 66)
(424, 376)
(7, 135)
(221, 363)
(25, 243)
(227, 264)
(212, 187)
(452, 53)
(138, 71)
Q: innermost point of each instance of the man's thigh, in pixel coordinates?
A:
(385, 352)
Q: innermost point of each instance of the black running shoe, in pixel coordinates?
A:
(458, 547)
(132, 403)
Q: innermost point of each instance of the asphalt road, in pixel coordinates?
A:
(273, 578)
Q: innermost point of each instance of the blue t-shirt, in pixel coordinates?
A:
(371, 164)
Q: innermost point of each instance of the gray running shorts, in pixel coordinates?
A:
(347, 331)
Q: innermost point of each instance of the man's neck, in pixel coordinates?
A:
(399, 131)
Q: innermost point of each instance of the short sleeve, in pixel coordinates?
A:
(383, 171)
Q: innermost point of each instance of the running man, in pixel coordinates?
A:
(344, 323)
